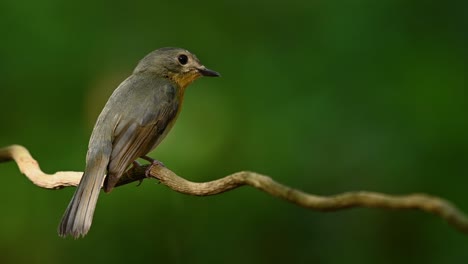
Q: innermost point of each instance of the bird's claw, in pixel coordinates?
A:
(139, 182)
(136, 165)
(153, 163)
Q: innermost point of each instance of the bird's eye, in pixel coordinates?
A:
(183, 59)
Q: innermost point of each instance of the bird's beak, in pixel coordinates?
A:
(207, 72)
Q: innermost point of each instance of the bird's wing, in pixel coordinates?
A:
(138, 129)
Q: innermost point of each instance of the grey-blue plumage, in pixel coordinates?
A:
(135, 119)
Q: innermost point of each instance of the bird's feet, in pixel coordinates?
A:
(153, 163)
(136, 165)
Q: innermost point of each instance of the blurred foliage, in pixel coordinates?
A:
(325, 96)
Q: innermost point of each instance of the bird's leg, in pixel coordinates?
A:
(153, 163)
(136, 164)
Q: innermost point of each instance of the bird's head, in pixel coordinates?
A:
(177, 64)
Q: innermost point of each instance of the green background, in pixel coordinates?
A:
(324, 96)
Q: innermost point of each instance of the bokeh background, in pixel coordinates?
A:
(324, 96)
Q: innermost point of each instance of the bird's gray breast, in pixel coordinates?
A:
(158, 106)
(167, 112)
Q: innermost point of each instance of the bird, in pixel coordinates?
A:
(136, 118)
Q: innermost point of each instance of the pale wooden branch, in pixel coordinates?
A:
(431, 204)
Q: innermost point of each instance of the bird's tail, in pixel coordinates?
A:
(79, 214)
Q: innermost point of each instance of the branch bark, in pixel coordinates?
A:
(426, 203)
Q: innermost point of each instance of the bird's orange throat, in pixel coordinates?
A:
(184, 79)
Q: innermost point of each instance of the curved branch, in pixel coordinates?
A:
(431, 204)
(30, 168)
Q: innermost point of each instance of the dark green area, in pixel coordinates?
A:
(325, 96)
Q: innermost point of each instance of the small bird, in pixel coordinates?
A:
(135, 119)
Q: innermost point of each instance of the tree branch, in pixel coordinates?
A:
(430, 204)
